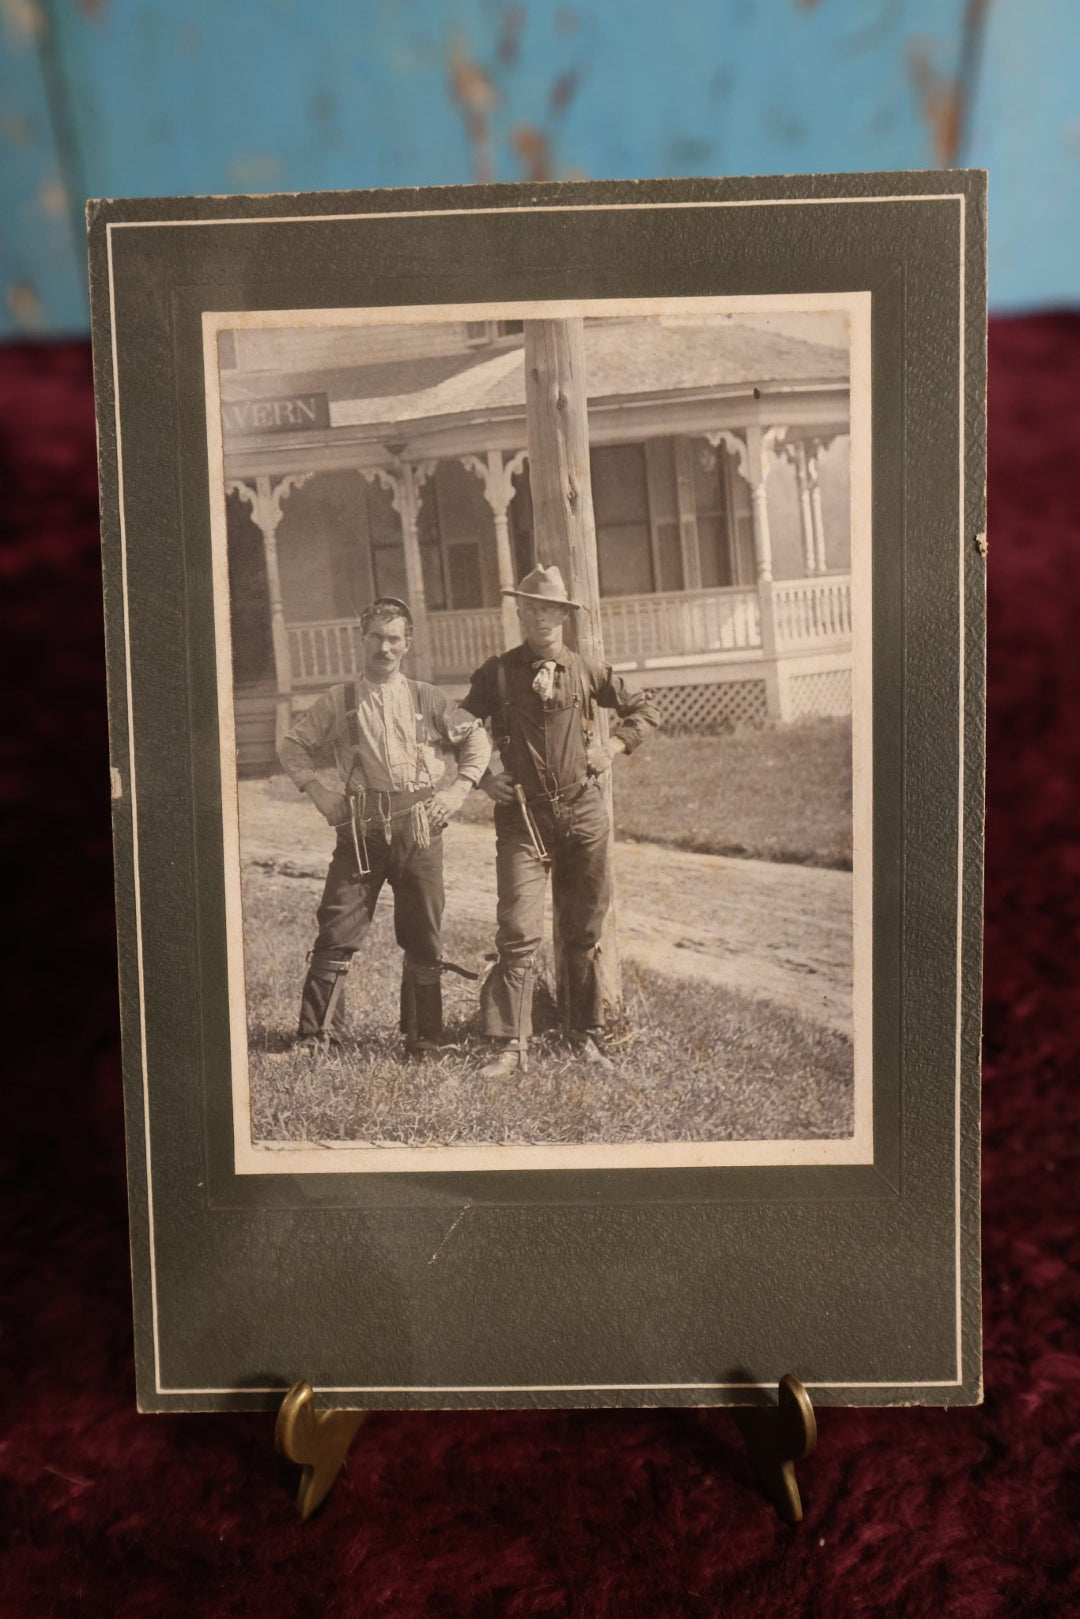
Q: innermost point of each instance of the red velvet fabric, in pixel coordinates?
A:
(966, 1513)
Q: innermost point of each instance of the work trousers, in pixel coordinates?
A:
(415, 876)
(577, 837)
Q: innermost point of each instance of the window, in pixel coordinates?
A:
(636, 504)
(710, 501)
(621, 509)
(668, 515)
(463, 567)
(724, 520)
(453, 515)
(521, 525)
(480, 332)
(661, 457)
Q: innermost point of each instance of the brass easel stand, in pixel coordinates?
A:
(318, 1441)
(777, 1436)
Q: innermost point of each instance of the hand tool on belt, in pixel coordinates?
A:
(359, 822)
(531, 827)
(363, 865)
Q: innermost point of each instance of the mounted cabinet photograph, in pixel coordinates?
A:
(545, 631)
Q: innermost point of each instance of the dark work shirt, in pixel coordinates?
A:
(542, 742)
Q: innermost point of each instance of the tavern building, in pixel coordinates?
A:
(364, 461)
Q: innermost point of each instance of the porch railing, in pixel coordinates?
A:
(812, 612)
(323, 652)
(461, 640)
(681, 623)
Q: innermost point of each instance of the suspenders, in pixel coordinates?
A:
(352, 722)
(583, 701)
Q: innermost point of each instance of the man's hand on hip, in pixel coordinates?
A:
(600, 755)
(500, 787)
(333, 807)
(447, 802)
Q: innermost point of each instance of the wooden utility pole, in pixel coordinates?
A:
(564, 530)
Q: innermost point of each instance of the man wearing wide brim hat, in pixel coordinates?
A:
(550, 815)
(543, 585)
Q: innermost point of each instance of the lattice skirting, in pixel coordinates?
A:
(826, 691)
(706, 710)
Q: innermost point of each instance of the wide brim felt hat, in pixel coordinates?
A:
(543, 585)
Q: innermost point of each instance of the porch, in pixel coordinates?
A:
(777, 651)
(639, 631)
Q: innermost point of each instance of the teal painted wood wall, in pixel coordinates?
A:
(140, 97)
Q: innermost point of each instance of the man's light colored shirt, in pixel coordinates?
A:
(403, 734)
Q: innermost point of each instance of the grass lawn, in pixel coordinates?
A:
(779, 794)
(692, 1062)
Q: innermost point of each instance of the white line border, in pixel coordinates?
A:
(136, 889)
(346, 1158)
(957, 197)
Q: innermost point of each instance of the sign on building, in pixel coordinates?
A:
(299, 413)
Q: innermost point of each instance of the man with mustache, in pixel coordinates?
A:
(550, 814)
(388, 737)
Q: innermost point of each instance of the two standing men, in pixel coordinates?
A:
(550, 814)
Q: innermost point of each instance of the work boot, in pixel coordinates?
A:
(587, 1047)
(421, 1009)
(419, 1049)
(319, 1040)
(506, 1064)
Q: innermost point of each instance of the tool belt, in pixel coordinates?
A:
(374, 811)
(564, 795)
(387, 808)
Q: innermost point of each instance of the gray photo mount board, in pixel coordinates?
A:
(560, 1288)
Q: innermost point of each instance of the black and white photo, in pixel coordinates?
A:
(392, 550)
(545, 633)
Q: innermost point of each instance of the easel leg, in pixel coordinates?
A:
(318, 1441)
(778, 1436)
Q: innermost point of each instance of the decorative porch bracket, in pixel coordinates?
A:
(756, 454)
(265, 500)
(497, 477)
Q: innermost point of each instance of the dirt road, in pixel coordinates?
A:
(782, 932)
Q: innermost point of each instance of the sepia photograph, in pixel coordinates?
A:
(546, 787)
(544, 635)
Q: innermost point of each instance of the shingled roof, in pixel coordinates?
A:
(623, 357)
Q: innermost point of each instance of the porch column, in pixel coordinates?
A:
(757, 453)
(497, 477)
(796, 453)
(761, 456)
(265, 501)
(405, 482)
(817, 522)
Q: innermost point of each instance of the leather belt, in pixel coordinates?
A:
(565, 795)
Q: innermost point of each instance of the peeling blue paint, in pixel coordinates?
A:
(262, 95)
(42, 271)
